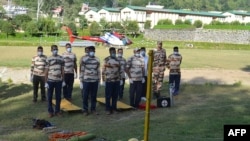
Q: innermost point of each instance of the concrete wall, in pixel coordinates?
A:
(200, 35)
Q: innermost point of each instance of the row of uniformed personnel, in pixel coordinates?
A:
(58, 71)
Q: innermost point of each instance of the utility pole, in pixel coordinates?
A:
(39, 5)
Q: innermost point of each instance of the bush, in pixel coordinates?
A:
(178, 22)
(165, 22)
(216, 23)
(19, 35)
(187, 22)
(248, 24)
(198, 23)
(235, 23)
(147, 24)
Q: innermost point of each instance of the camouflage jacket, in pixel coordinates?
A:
(111, 70)
(135, 68)
(90, 69)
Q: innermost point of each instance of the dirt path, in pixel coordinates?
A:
(194, 76)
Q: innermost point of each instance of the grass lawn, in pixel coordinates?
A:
(199, 113)
(192, 58)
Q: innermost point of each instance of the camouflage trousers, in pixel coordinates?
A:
(158, 75)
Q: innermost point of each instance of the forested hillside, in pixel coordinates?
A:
(72, 7)
(200, 5)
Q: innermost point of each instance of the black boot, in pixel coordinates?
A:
(159, 94)
(156, 95)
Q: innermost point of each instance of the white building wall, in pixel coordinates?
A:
(156, 16)
(247, 19)
(205, 20)
(109, 16)
(229, 17)
(232, 17)
(92, 16)
(127, 14)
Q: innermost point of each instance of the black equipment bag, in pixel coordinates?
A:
(163, 102)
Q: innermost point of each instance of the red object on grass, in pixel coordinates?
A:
(143, 106)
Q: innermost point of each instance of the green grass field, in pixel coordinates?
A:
(199, 113)
(192, 58)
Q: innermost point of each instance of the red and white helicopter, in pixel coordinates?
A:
(112, 39)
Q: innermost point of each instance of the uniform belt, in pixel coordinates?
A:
(38, 73)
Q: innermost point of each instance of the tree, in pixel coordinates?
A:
(104, 24)
(8, 29)
(131, 27)
(83, 22)
(72, 26)
(46, 25)
(31, 27)
(19, 20)
(95, 29)
(117, 26)
(70, 10)
(1, 23)
(109, 3)
(147, 24)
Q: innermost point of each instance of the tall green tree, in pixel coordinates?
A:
(72, 26)
(31, 27)
(20, 20)
(95, 29)
(104, 24)
(83, 22)
(131, 27)
(46, 25)
(8, 28)
(117, 27)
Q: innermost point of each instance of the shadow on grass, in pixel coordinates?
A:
(12, 90)
(199, 113)
(206, 107)
(202, 81)
(246, 69)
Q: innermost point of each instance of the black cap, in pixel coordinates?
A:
(143, 48)
(91, 48)
(111, 49)
(68, 44)
(176, 48)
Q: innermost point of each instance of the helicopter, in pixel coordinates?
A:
(110, 39)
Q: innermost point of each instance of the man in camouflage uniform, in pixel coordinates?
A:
(173, 63)
(159, 63)
(37, 75)
(86, 51)
(123, 65)
(112, 79)
(89, 80)
(135, 71)
(54, 80)
(70, 67)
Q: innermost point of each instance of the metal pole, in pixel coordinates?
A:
(39, 5)
(148, 97)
